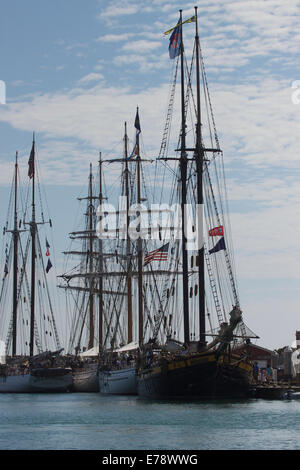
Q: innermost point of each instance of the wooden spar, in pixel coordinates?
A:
(140, 250)
(91, 249)
(183, 176)
(15, 269)
(129, 280)
(199, 158)
(100, 297)
(33, 255)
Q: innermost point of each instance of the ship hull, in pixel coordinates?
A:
(85, 379)
(51, 380)
(200, 376)
(15, 384)
(118, 382)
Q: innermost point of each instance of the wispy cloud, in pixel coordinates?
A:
(141, 46)
(91, 77)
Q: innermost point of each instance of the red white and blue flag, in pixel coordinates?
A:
(161, 254)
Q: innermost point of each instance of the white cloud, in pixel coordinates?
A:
(117, 8)
(141, 46)
(91, 77)
(115, 37)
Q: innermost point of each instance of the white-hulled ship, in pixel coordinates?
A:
(117, 375)
(27, 324)
(118, 363)
(83, 285)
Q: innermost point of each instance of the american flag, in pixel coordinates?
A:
(161, 254)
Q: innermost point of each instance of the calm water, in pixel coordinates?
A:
(91, 421)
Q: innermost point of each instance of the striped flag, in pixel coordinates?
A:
(161, 254)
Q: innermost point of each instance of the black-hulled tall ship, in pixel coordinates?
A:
(32, 360)
(186, 354)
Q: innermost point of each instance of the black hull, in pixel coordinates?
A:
(201, 376)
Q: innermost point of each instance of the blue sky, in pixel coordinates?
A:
(75, 71)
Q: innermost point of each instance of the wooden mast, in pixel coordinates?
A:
(100, 262)
(33, 252)
(91, 250)
(139, 244)
(128, 248)
(183, 176)
(15, 271)
(199, 157)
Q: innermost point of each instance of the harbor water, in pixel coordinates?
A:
(94, 422)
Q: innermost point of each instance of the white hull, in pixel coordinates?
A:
(85, 379)
(15, 384)
(118, 382)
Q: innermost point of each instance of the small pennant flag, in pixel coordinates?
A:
(47, 246)
(219, 246)
(216, 232)
(49, 266)
(31, 162)
(189, 20)
(136, 149)
(6, 268)
(161, 254)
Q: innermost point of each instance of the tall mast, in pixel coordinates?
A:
(140, 258)
(129, 281)
(15, 272)
(33, 251)
(140, 246)
(183, 176)
(199, 157)
(91, 251)
(100, 262)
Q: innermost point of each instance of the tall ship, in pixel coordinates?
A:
(118, 357)
(31, 348)
(82, 282)
(97, 280)
(189, 349)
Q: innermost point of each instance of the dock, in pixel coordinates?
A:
(275, 391)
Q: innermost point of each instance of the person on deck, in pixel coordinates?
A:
(255, 371)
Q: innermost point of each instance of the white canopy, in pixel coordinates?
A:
(95, 351)
(128, 347)
(91, 352)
